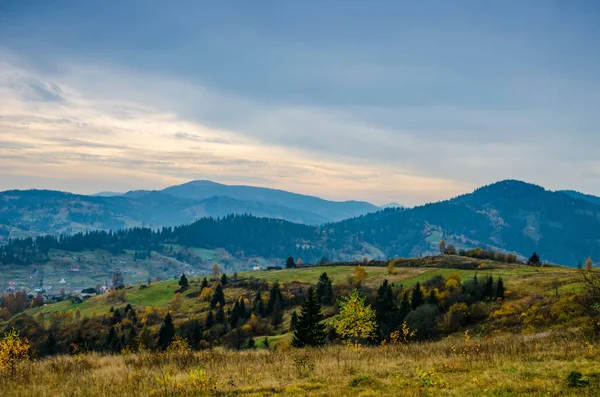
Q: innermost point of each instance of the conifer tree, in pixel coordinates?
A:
(132, 340)
(146, 339)
(204, 284)
(387, 314)
(220, 316)
(112, 341)
(194, 335)
(488, 288)
(275, 297)
(266, 342)
(166, 334)
(259, 305)
(50, 344)
(251, 344)
(218, 297)
(224, 279)
(324, 290)
(183, 281)
(310, 331)
(534, 260)
(417, 296)
(234, 317)
(404, 306)
(293, 321)
(500, 289)
(290, 263)
(277, 314)
(210, 320)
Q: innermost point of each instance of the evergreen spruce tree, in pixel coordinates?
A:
(234, 317)
(488, 288)
(325, 290)
(387, 314)
(500, 288)
(289, 263)
(224, 279)
(293, 321)
(534, 260)
(192, 331)
(132, 340)
(242, 313)
(417, 296)
(146, 339)
(210, 320)
(310, 331)
(50, 344)
(251, 344)
(204, 284)
(166, 334)
(266, 342)
(404, 306)
(183, 282)
(277, 314)
(218, 297)
(259, 305)
(112, 340)
(220, 316)
(275, 297)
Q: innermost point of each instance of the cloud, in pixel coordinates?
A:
(32, 90)
(161, 129)
(196, 138)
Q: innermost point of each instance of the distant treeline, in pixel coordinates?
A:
(241, 235)
(480, 253)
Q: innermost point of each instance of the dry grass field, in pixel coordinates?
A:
(508, 365)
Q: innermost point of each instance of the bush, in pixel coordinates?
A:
(363, 381)
(423, 320)
(576, 379)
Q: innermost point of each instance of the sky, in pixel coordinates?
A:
(410, 102)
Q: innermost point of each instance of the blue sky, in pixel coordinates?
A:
(380, 100)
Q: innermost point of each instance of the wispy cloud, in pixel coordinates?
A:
(124, 130)
(197, 138)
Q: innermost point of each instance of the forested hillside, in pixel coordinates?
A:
(508, 216)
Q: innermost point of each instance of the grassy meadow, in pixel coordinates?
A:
(509, 365)
(528, 346)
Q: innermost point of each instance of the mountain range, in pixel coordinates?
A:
(508, 216)
(26, 213)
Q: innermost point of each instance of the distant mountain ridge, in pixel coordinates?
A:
(327, 210)
(587, 197)
(508, 216)
(27, 213)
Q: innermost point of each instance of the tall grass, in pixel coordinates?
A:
(509, 365)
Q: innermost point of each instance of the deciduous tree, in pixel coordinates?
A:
(356, 320)
(360, 275)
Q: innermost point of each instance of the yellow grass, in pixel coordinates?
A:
(510, 365)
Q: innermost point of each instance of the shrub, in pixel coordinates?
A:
(576, 379)
(363, 381)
